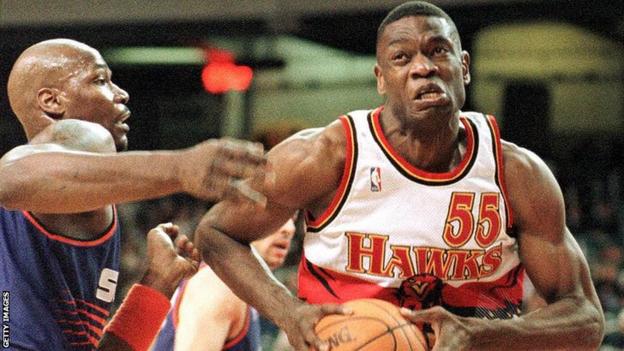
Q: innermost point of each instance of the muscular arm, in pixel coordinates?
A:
(307, 172)
(208, 305)
(572, 320)
(63, 170)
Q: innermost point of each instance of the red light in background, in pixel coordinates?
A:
(221, 74)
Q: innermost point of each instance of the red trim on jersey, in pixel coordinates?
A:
(97, 330)
(501, 167)
(85, 313)
(346, 175)
(75, 303)
(70, 241)
(418, 173)
(91, 339)
(242, 333)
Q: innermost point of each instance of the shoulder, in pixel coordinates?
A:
(206, 294)
(533, 190)
(312, 159)
(77, 135)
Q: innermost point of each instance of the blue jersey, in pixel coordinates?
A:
(247, 340)
(58, 291)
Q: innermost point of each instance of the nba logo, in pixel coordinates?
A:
(375, 179)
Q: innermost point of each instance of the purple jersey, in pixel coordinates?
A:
(59, 290)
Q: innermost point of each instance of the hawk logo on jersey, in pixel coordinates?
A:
(420, 291)
(375, 179)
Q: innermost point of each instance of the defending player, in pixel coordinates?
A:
(60, 242)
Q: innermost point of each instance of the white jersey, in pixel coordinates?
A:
(396, 232)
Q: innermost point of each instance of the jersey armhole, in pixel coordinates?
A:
(500, 168)
(316, 224)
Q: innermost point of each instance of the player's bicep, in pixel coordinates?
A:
(306, 167)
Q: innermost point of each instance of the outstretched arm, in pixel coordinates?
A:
(171, 257)
(54, 173)
(573, 318)
(307, 171)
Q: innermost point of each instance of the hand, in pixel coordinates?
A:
(171, 257)
(451, 331)
(214, 169)
(300, 327)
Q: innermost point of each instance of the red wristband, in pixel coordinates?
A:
(139, 317)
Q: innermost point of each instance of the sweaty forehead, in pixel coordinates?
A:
(416, 28)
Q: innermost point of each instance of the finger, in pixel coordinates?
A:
(180, 242)
(429, 315)
(195, 257)
(335, 309)
(313, 340)
(170, 229)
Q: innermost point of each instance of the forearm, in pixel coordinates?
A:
(236, 265)
(568, 324)
(66, 182)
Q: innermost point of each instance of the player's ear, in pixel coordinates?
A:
(465, 59)
(381, 84)
(51, 101)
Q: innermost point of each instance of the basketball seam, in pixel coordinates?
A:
(375, 303)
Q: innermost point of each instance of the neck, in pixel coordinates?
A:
(433, 145)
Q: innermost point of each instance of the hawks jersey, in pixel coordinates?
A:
(59, 290)
(247, 340)
(412, 237)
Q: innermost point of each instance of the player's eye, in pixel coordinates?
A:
(400, 57)
(440, 50)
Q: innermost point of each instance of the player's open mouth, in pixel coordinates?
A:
(429, 91)
(429, 96)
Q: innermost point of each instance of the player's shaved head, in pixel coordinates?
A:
(47, 64)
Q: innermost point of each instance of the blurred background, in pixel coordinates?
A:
(551, 71)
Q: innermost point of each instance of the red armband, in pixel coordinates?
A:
(139, 317)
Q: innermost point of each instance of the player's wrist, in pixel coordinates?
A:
(163, 283)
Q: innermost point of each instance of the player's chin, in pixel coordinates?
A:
(276, 262)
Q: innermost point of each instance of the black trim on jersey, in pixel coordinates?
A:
(351, 176)
(399, 168)
(321, 280)
(509, 229)
(508, 311)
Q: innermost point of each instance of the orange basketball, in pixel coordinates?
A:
(375, 325)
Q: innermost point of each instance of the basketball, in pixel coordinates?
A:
(375, 325)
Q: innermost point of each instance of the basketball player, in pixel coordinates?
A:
(206, 315)
(418, 203)
(60, 242)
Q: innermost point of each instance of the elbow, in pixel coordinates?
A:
(595, 326)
